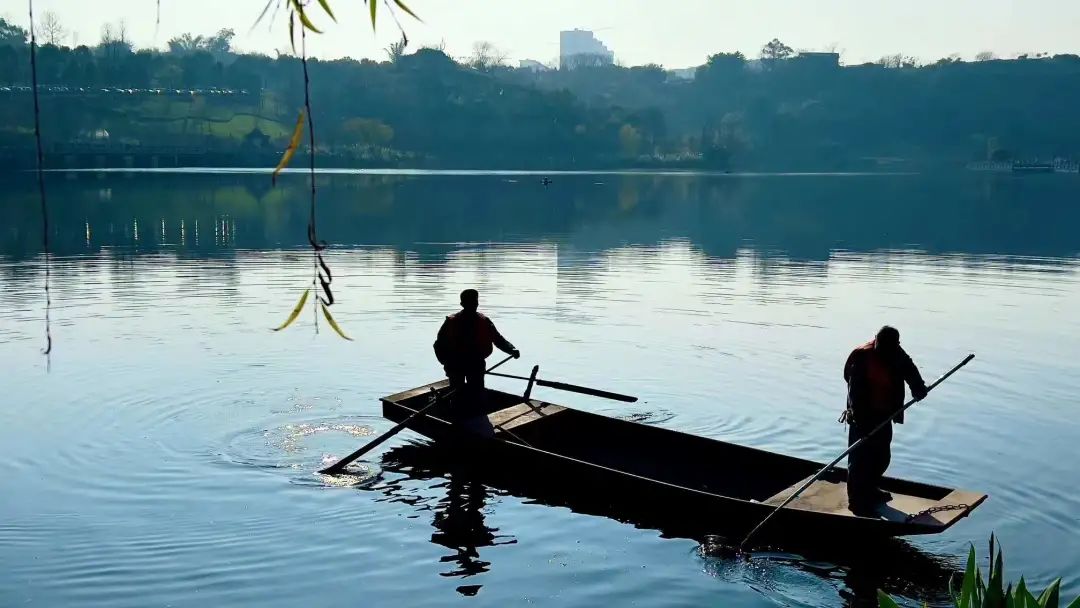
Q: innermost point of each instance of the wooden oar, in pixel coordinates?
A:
(573, 388)
(338, 466)
(851, 447)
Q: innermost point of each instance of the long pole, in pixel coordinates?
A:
(340, 465)
(851, 447)
(573, 388)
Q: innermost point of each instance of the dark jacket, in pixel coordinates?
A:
(466, 339)
(876, 383)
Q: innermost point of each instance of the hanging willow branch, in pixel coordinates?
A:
(321, 276)
(41, 186)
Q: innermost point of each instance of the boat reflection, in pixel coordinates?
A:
(857, 568)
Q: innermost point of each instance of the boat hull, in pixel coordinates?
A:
(547, 451)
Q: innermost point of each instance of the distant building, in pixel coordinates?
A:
(755, 65)
(97, 136)
(818, 61)
(579, 48)
(682, 73)
(532, 65)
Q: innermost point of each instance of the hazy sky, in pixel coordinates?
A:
(675, 33)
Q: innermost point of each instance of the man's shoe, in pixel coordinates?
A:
(863, 507)
(867, 503)
(880, 496)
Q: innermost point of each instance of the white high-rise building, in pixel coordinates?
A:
(581, 48)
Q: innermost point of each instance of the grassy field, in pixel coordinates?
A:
(216, 119)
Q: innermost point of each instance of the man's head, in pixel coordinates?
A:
(887, 340)
(470, 300)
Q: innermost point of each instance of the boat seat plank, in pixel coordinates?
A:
(830, 496)
(521, 414)
(415, 392)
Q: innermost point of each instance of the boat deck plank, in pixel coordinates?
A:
(521, 414)
(830, 496)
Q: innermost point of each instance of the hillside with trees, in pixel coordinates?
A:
(781, 110)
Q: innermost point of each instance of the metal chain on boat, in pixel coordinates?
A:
(939, 509)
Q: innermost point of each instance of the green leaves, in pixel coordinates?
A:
(975, 593)
(295, 311)
(371, 7)
(294, 143)
(1023, 598)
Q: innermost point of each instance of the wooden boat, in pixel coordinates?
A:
(700, 479)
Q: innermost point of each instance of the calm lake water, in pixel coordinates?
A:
(168, 456)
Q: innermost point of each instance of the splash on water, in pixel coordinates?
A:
(656, 417)
(357, 474)
(302, 447)
(295, 434)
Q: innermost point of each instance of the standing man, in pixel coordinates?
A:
(875, 374)
(465, 339)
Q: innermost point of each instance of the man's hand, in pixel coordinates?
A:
(919, 393)
(516, 353)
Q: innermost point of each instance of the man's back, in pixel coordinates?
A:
(876, 380)
(465, 336)
(468, 337)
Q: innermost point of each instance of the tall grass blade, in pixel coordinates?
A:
(967, 589)
(995, 593)
(1049, 598)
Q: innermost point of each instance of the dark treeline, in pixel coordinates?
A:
(784, 111)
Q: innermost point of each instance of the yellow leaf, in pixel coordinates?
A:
(292, 33)
(307, 23)
(371, 6)
(294, 142)
(295, 311)
(402, 6)
(299, 8)
(326, 7)
(332, 322)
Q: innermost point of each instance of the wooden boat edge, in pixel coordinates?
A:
(913, 527)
